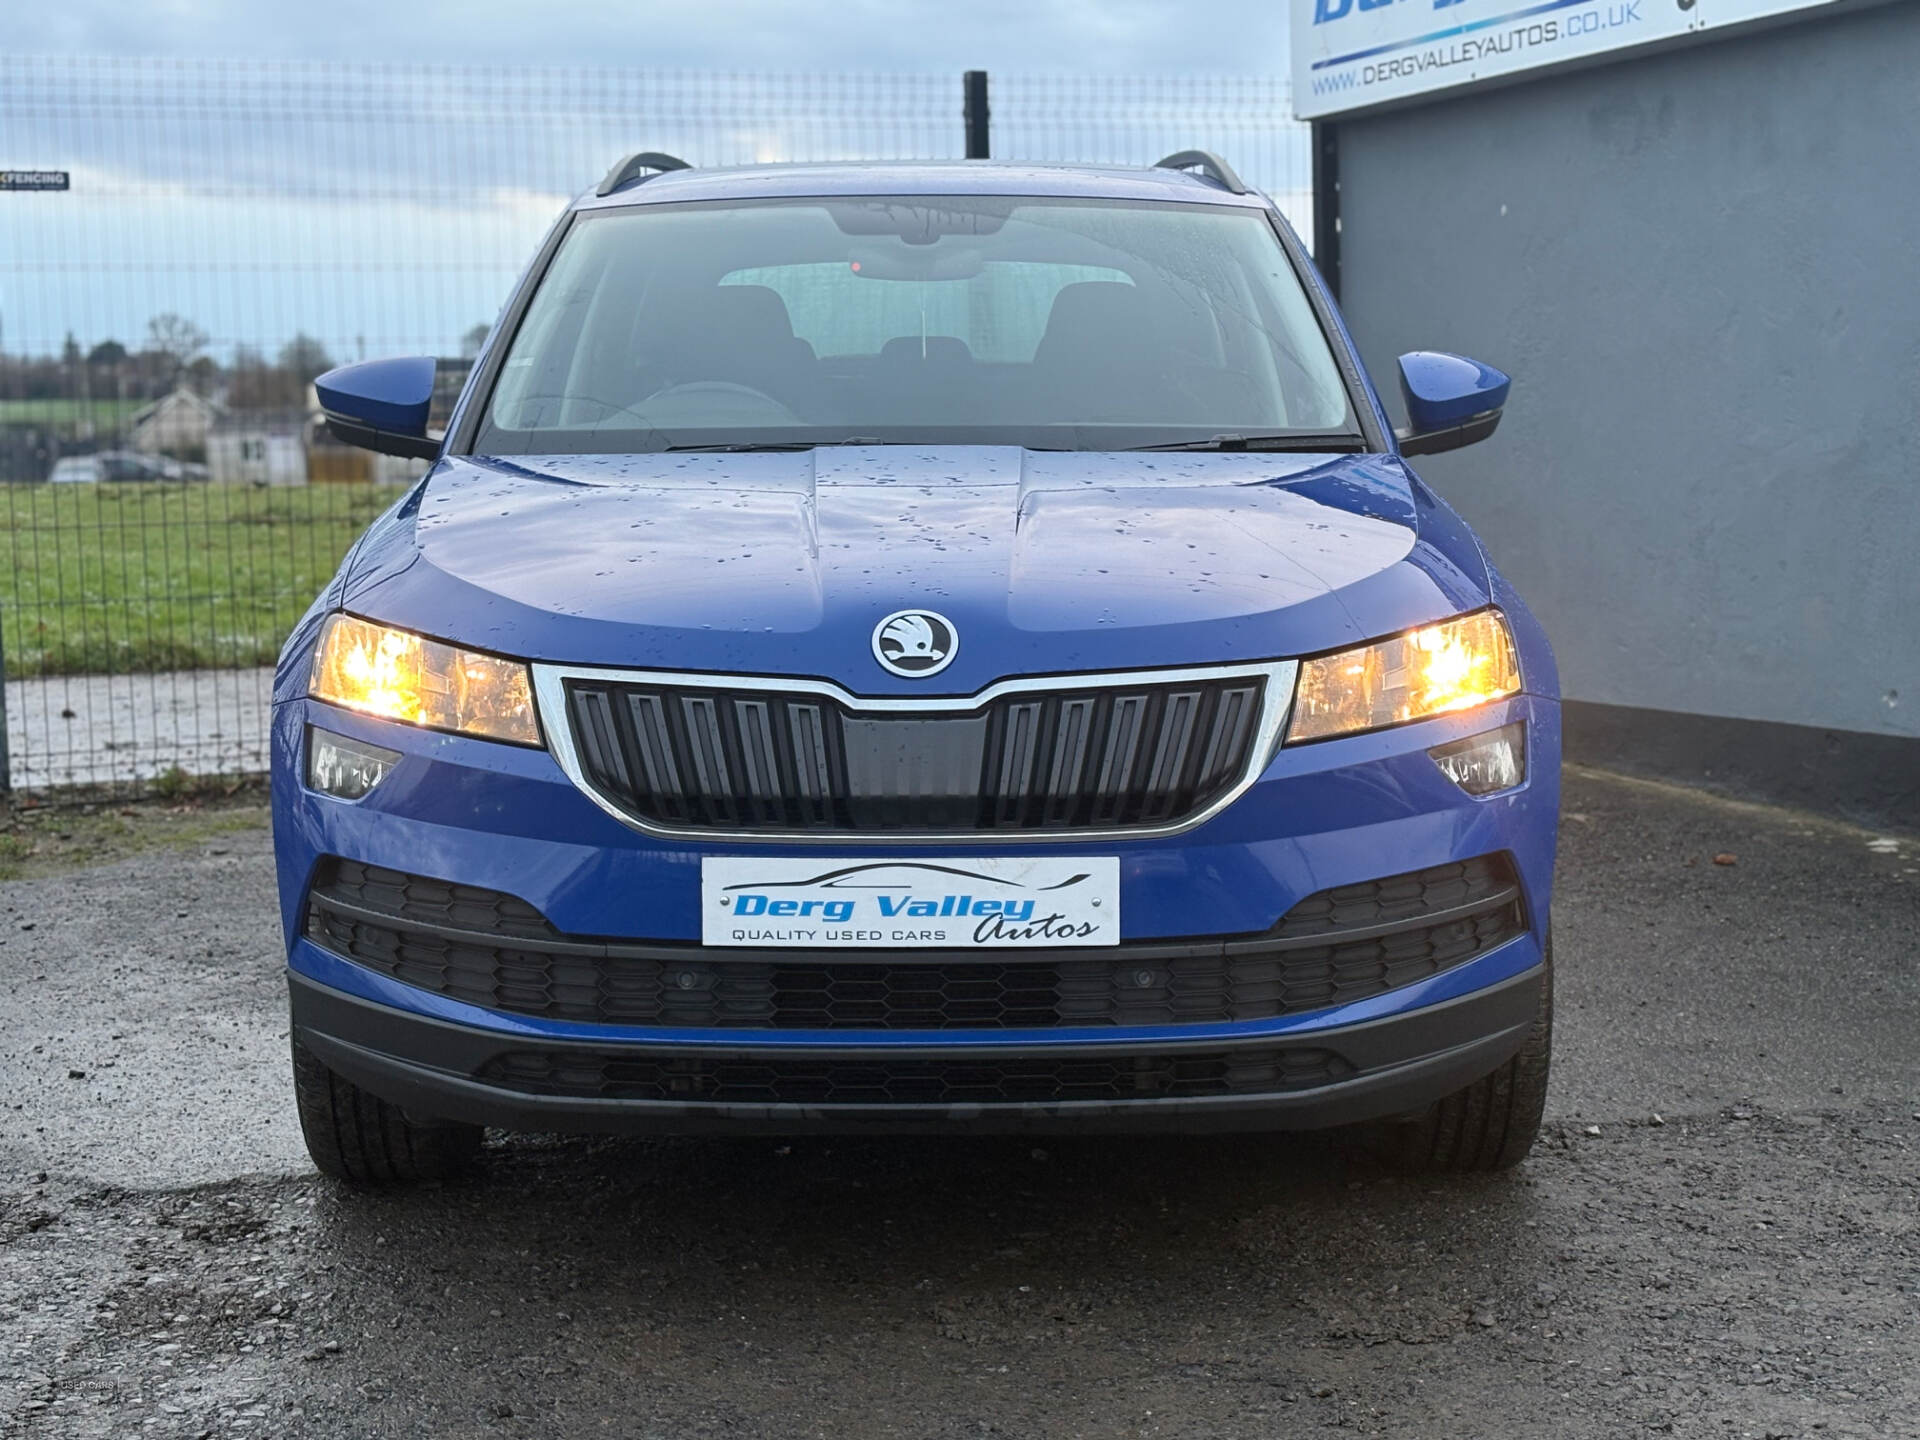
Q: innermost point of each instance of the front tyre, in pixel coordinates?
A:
(1490, 1125)
(366, 1141)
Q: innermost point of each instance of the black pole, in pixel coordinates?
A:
(6, 763)
(975, 114)
(1326, 203)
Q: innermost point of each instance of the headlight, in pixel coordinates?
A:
(1454, 665)
(400, 676)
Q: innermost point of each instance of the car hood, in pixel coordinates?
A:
(783, 562)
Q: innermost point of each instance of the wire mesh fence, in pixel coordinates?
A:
(1135, 120)
(190, 242)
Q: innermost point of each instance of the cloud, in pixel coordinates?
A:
(376, 173)
(1082, 36)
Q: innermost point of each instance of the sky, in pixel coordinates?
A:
(1083, 36)
(375, 175)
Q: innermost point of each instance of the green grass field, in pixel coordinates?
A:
(119, 578)
(106, 414)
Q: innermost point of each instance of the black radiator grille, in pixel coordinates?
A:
(742, 1080)
(496, 951)
(736, 760)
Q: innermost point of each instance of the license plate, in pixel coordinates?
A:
(994, 904)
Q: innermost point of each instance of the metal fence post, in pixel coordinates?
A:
(6, 765)
(974, 113)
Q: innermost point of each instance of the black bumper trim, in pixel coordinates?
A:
(492, 949)
(1134, 953)
(1402, 1063)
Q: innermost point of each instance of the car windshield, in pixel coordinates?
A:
(1058, 324)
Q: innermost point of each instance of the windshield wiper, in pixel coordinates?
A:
(1302, 443)
(745, 445)
(737, 445)
(1309, 443)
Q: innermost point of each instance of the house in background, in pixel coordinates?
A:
(176, 424)
(257, 448)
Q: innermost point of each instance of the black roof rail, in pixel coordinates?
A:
(1209, 165)
(635, 167)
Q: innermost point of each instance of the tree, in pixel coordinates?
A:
(471, 342)
(177, 338)
(202, 375)
(107, 352)
(70, 352)
(252, 384)
(305, 357)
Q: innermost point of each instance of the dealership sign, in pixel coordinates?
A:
(33, 180)
(1351, 54)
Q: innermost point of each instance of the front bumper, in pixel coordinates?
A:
(1385, 1067)
(1334, 814)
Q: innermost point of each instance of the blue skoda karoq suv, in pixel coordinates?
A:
(939, 647)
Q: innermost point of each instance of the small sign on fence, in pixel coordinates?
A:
(34, 180)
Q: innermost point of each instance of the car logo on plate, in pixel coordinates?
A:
(915, 643)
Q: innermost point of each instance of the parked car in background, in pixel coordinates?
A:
(917, 647)
(77, 470)
(188, 470)
(110, 465)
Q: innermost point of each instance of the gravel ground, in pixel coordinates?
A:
(1719, 1236)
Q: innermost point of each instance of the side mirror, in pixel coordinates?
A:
(1451, 401)
(381, 405)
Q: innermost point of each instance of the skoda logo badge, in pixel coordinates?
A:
(915, 643)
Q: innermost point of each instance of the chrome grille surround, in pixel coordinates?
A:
(550, 683)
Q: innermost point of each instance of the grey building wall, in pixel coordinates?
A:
(1702, 269)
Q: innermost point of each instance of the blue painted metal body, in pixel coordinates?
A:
(1442, 390)
(780, 564)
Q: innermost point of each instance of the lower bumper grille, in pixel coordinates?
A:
(1016, 1080)
(496, 951)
